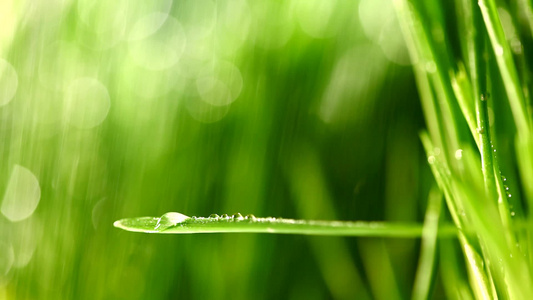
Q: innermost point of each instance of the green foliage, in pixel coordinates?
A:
(455, 93)
(296, 108)
(468, 169)
(116, 109)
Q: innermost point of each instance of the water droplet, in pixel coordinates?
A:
(483, 97)
(503, 178)
(169, 220)
(250, 218)
(509, 195)
(481, 130)
(459, 154)
(506, 187)
(225, 216)
(431, 159)
(214, 216)
(237, 217)
(436, 151)
(513, 214)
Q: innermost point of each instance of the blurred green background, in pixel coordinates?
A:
(115, 109)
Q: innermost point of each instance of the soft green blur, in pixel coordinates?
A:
(116, 109)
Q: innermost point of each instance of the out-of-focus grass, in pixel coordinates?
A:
(115, 109)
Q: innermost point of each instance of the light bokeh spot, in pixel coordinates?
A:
(87, 103)
(204, 112)
(233, 25)
(148, 83)
(8, 82)
(22, 195)
(117, 16)
(379, 23)
(214, 91)
(318, 18)
(198, 17)
(161, 49)
(62, 61)
(25, 236)
(273, 24)
(9, 17)
(346, 93)
(7, 257)
(147, 26)
(373, 15)
(220, 83)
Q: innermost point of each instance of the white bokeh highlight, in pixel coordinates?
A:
(87, 103)
(159, 49)
(8, 82)
(22, 195)
(219, 83)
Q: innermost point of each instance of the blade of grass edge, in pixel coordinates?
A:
(425, 274)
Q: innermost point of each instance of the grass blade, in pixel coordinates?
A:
(176, 223)
(453, 275)
(506, 66)
(425, 274)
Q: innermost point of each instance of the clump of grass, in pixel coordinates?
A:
(455, 91)
(473, 82)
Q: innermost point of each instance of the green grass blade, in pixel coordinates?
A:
(480, 280)
(418, 56)
(379, 270)
(527, 7)
(453, 275)
(176, 223)
(463, 92)
(431, 76)
(312, 198)
(425, 275)
(506, 66)
(503, 263)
